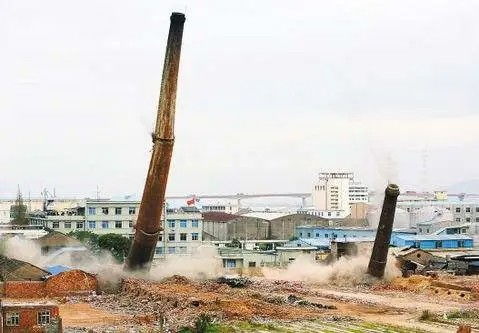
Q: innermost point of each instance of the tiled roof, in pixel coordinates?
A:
(17, 270)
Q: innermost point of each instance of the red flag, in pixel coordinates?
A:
(190, 201)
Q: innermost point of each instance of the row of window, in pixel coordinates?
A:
(467, 219)
(438, 244)
(91, 224)
(308, 235)
(183, 237)
(171, 250)
(182, 223)
(13, 318)
(467, 209)
(106, 210)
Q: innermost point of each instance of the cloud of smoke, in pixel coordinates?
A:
(23, 249)
(202, 264)
(347, 271)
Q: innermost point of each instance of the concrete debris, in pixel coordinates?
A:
(234, 282)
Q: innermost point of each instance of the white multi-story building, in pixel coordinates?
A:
(182, 234)
(183, 230)
(111, 216)
(334, 192)
(461, 211)
(358, 193)
(219, 207)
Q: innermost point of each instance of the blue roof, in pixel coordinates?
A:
(57, 269)
(433, 237)
(312, 242)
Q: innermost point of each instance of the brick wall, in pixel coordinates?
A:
(28, 318)
(24, 289)
(74, 282)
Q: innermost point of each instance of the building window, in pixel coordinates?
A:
(300, 234)
(91, 210)
(182, 249)
(477, 219)
(230, 263)
(79, 225)
(317, 234)
(68, 225)
(43, 317)
(438, 244)
(194, 223)
(13, 319)
(130, 224)
(158, 250)
(329, 213)
(309, 235)
(420, 229)
(427, 231)
(118, 224)
(468, 209)
(194, 236)
(55, 225)
(326, 236)
(160, 238)
(477, 209)
(104, 224)
(171, 237)
(171, 250)
(132, 210)
(183, 224)
(458, 209)
(117, 210)
(458, 219)
(171, 223)
(104, 210)
(183, 236)
(91, 225)
(468, 219)
(252, 264)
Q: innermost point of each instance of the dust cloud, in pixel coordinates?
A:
(23, 249)
(203, 264)
(347, 271)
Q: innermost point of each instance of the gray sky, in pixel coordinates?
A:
(270, 93)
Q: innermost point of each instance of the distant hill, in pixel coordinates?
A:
(467, 186)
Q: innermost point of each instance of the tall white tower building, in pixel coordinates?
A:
(334, 192)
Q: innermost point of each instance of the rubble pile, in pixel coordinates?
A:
(177, 301)
(71, 282)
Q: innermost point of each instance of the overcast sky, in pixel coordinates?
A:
(270, 93)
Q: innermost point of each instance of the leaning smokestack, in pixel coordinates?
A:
(148, 224)
(378, 260)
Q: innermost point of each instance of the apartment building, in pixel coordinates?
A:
(461, 211)
(111, 216)
(334, 193)
(182, 233)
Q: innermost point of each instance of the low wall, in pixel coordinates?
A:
(74, 282)
(24, 289)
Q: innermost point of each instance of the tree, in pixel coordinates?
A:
(18, 212)
(234, 243)
(116, 244)
(88, 238)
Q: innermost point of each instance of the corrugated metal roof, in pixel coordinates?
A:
(433, 237)
(266, 215)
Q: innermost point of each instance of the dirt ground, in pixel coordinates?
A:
(412, 304)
